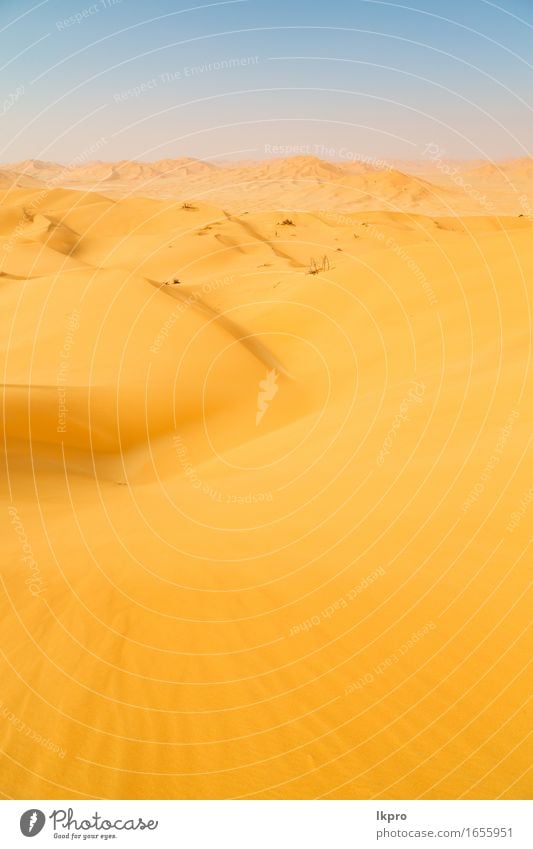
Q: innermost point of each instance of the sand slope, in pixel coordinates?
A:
(265, 530)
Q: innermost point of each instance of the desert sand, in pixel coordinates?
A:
(265, 482)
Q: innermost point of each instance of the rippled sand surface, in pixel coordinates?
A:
(265, 498)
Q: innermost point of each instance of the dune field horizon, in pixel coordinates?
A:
(303, 181)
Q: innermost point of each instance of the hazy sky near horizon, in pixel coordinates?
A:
(245, 79)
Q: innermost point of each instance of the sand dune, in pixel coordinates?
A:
(511, 168)
(304, 183)
(265, 484)
(10, 178)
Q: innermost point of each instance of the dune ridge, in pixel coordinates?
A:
(264, 483)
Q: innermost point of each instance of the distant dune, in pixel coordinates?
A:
(10, 178)
(306, 183)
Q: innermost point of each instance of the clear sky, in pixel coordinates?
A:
(121, 79)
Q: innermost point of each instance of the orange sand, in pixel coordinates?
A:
(265, 531)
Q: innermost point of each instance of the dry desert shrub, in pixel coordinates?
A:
(316, 268)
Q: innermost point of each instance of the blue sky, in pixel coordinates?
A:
(121, 79)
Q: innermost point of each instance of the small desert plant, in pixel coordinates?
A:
(188, 206)
(316, 268)
(288, 222)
